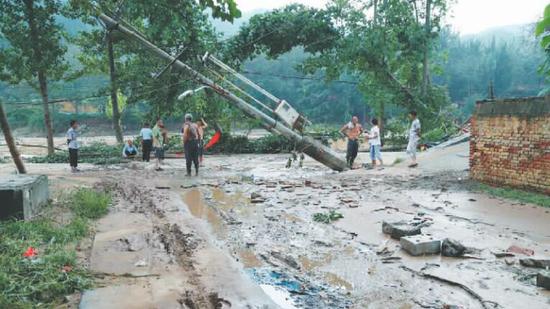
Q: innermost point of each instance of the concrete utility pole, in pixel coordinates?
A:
(306, 144)
(10, 142)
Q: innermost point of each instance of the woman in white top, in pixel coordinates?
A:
(374, 139)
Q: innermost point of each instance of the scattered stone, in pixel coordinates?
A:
(453, 248)
(399, 229)
(537, 263)
(287, 259)
(420, 245)
(503, 254)
(510, 261)
(543, 279)
(472, 199)
(256, 198)
(323, 243)
(162, 188)
(520, 250)
(141, 263)
(390, 259)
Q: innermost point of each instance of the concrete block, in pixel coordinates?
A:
(543, 279)
(399, 229)
(420, 245)
(22, 196)
(534, 262)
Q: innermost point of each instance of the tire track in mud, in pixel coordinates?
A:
(178, 245)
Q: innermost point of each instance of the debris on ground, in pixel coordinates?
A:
(452, 248)
(420, 245)
(399, 229)
(543, 279)
(520, 250)
(536, 263)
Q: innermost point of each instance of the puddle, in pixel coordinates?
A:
(335, 280)
(279, 296)
(249, 259)
(194, 200)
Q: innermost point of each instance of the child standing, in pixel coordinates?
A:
(72, 144)
(375, 143)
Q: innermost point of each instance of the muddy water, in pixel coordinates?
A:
(304, 264)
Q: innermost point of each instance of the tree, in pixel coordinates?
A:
(4, 125)
(178, 27)
(35, 50)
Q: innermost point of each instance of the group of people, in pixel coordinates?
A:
(155, 139)
(353, 130)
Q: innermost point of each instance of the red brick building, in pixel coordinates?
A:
(510, 143)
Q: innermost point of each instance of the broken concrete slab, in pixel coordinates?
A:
(543, 279)
(453, 248)
(399, 229)
(22, 196)
(534, 262)
(420, 245)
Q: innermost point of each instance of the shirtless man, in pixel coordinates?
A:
(352, 130)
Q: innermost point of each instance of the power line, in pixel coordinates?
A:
(282, 76)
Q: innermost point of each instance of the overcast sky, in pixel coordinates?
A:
(468, 16)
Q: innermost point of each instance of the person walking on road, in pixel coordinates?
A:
(158, 143)
(201, 125)
(414, 138)
(352, 130)
(146, 142)
(72, 144)
(191, 144)
(375, 143)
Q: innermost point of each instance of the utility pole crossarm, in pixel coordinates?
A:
(308, 145)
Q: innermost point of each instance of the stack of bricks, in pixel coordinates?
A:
(510, 143)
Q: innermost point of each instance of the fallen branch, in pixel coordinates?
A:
(454, 283)
(474, 221)
(124, 275)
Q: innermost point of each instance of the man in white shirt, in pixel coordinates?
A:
(146, 142)
(72, 144)
(414, 138)
(375, 143)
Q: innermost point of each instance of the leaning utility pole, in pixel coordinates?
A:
(10, 142)
(306, 144)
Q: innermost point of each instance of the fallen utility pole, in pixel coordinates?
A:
(10, 142)
(306, 144)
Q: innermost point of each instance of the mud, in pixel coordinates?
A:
(205, 244)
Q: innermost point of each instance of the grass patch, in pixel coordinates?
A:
(397, 161)
(96, 153)
(327, 217)
(90, 204)
(43, 280)
(515, 194)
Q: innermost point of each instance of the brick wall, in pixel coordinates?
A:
(510, 143)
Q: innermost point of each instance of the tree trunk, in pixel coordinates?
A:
(42, 76)
(428, 29)
(381, 112)
(114, 88)
(10, 142)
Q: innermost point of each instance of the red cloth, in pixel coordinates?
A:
(30, 252)
(215, 139)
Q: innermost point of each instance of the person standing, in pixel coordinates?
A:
(352, 130)
(191, 144)
(375, 143)
(201, 125)
(414, 138)
(146, 142)
(72, 144)
(158, 143)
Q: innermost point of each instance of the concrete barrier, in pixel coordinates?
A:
(22, 196)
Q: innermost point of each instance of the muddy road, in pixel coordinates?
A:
(242, 235)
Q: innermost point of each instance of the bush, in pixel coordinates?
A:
(327, 217)
(230, 144)
(96, 153)
(90, 204)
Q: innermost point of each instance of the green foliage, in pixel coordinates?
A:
(122, 102)
(90, 204)
(515, 194)
(43, 281)
(327, 217)
(96, 153)
(230, 144)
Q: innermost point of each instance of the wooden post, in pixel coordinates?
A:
(308, 145)
(10, 142)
